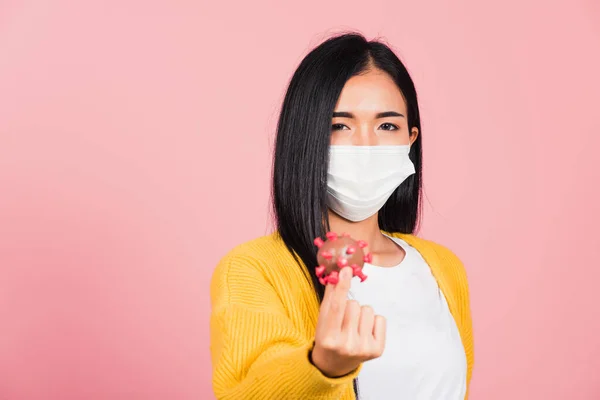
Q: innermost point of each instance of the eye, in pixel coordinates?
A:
(338, 127)
(386, 126)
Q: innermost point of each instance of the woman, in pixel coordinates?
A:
(347, 159)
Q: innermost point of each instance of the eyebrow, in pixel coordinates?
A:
(385, 114)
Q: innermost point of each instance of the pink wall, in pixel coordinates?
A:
(135, 151)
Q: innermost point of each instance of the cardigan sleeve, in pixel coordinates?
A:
(256, 351)
(457, 273)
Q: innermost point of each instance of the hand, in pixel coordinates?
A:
(346, 334)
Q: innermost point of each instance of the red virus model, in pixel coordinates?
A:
(339, 252)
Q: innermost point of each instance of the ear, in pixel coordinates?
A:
(414, 133)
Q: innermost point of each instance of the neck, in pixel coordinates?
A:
(367, 230)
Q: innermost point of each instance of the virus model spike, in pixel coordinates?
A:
(357, 271)
(319, 242)
(362, 276)
(333, 277)
(331, 236)
(362, 244)
(368, 258)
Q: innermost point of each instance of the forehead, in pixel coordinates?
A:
(373, 91)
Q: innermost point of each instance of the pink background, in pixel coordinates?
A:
(135, 151)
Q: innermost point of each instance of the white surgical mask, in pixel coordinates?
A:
(360, 179)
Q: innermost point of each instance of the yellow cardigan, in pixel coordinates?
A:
(264, 314)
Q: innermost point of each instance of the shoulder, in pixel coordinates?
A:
(252, 256)
(450, 264)
(425, 245)
(248, 267)
(257, 248)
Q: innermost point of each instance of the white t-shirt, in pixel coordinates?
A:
(424, 358)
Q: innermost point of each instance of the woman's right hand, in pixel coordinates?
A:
(346, 334)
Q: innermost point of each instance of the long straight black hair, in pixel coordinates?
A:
(301, 156)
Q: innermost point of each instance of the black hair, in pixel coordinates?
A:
(301, 157)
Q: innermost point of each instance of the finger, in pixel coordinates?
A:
(351, 318)
(326, 300)
(339, 298)
(341, 289)
(331, 289)
(379, 331)
(366, 322)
